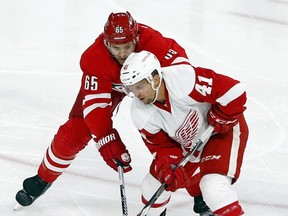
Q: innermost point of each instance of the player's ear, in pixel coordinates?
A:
(156, 80)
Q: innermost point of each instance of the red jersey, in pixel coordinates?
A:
(101, 85)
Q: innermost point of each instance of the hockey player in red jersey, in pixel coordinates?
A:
(171, 108)
(100, 93)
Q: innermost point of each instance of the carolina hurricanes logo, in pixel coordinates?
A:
(188, 130)
(117, 87)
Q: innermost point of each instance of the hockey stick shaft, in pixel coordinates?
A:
(206, 134)
(122, 189)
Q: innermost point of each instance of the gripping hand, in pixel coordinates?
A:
(220, 121)
(164, 168)
(112, 149)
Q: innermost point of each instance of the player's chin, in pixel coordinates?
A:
(142, 100)
(121, 61)
(148, 101)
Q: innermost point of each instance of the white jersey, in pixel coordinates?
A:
(182, 118)
(189, 96)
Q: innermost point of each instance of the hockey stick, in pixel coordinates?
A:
(206, 134)
(122, 189)
(17, 207)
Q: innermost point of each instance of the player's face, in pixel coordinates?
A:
(122, 51)
(143, 91)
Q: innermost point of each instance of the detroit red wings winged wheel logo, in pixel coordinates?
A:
(187, 132)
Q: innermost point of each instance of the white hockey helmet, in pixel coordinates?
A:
(139, 66)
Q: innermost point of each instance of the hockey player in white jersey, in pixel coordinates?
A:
(171, 108)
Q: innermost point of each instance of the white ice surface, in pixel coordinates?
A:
(40, 46)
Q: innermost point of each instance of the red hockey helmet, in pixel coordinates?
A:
(120, 28)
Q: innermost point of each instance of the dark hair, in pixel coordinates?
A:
(154, 73)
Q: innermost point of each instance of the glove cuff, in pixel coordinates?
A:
(216, 111)
(173, 155)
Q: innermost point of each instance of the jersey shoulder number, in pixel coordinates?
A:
(204, 85)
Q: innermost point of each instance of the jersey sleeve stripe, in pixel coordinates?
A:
(180, 60)
(88, 109)
(96, 96)
(233, 93)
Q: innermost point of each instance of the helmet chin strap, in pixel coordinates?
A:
(156, 90)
